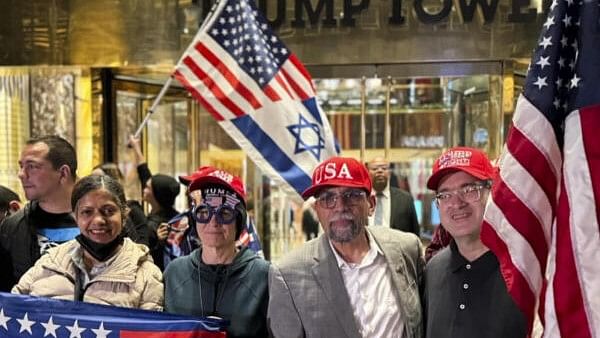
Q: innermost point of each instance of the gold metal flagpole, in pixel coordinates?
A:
(387, 131)
(363, 111)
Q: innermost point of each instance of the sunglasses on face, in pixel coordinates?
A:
(224, 214)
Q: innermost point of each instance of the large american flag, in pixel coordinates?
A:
(36, 317)
(259, 92)
(542, 219)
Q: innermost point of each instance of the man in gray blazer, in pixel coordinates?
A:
(395, 207)
(351, 281)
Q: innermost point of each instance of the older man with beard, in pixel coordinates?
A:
(351, 281)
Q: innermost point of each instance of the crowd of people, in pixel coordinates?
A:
(364, 275)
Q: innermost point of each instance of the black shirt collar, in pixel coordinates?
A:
(485, 263)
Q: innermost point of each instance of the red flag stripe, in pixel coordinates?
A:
(291, 80)
(570, 314)
(532, 123)
(196, 94)
(527, 264)
(283, 85)
(271, 93)
(299, 67)
(207, 96)
(577, 255)
(591, 125)
(229, 76)
(212, 86)
(519, 217)
(524, 297)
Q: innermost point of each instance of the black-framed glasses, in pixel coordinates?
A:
(350, 197)
(469, 193)
(224, 214)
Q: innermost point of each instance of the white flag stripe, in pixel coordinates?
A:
(221, 81)
(526, 188)
(257, 157)
(585, 237)
(522, 255)
(298, 78)
(211, 99)
(532, 123)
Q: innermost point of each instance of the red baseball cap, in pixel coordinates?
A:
(339, 172)
(208, 175)
(470, 160)
(186, 179)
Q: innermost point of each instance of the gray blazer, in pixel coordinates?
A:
(307, 296)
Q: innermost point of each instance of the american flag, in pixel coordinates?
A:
(259, 92)
(26, 316)
(249, 237)
(542, 219)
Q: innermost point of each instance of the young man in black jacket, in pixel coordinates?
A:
(47, 172)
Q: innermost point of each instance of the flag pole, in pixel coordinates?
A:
(167, 84)
(363, 110)
(162, 92)
(387, 130)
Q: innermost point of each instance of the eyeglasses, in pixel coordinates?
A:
(469, 193)
(224, 214)
(350, 197)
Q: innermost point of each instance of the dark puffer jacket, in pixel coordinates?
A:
(237, 292)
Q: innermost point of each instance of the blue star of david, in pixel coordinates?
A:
(305, 128)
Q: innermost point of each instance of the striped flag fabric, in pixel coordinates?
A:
(27, 316)
(249, 237)
(259, 92)
(542, 220)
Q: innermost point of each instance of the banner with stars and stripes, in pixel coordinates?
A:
(259, 92)
(26, 316)
(542, 221)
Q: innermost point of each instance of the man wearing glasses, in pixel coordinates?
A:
(465, 294)
(351, 281)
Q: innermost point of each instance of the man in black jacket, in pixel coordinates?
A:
(47, 172)
(395, 207)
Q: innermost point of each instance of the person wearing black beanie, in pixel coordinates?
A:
(160, 191)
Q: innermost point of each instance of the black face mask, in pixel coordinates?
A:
(100, 251)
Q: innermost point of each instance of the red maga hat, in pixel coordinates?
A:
(208, 175)
(339, 172)
(470, 160)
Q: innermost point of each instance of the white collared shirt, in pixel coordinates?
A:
(386, 205)
(370, 289)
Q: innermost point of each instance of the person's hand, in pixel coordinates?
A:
(134, 143)
(162, 232)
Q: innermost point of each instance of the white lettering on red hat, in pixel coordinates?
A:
(456, 158)
(225, 176)
(330, 170)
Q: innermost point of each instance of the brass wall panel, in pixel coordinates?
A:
(151, 32)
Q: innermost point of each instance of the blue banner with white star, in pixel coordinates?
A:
(26, 316)
(259, 92)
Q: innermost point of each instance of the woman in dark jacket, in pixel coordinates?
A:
(220, 279)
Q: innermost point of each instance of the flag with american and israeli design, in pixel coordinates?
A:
(259, 92)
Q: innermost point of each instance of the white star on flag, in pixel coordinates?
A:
(75, 330)
(543, 61)
(575, 81)
(101, 332)
(50, 328)
(25, 324)
(546, 42)
(541, 82)
(549, 22)
(4, 319)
